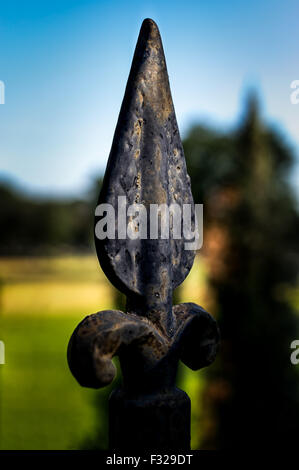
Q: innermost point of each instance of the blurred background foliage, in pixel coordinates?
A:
(246, 275)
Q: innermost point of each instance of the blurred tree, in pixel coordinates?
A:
(34, 226)
(250, 241)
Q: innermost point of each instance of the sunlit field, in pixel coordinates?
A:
(41, 302)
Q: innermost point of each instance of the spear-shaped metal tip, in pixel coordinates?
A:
(146, 166)
(149, 25)
(148, 74)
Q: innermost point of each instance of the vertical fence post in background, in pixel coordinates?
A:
(146, 166)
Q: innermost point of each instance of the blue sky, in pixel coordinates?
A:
(65, 65)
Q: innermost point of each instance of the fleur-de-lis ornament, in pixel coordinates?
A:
(146, 166)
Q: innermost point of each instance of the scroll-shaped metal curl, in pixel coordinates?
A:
(146, 166)
(149, 358)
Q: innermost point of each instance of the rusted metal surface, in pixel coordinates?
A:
(147, 166)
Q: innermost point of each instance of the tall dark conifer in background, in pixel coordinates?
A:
(250, 247)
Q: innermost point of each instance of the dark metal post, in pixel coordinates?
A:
(146, 166)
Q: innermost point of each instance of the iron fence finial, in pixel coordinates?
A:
(146, 166)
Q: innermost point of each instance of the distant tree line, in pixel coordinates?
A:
(38, 226)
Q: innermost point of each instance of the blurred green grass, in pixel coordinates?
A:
(41, 405)
(41, 302)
